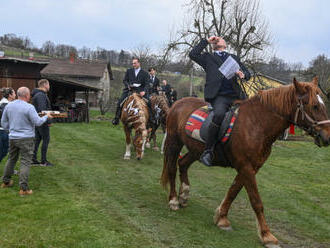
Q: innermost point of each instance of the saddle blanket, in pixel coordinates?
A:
(198, 123)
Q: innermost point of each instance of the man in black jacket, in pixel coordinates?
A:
(219, 91)
(134, 77)
(153, 82)
(167, 89)
(41, 103)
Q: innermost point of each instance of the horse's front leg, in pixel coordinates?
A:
(221, 213)
(153, 135)
(250, 184)
(128, 142)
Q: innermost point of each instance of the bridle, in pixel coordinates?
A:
(311, 129)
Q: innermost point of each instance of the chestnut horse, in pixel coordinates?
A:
(261, 120)
(135, 116)
(159, 106)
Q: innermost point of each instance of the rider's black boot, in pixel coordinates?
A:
(212, 138)
(115, 120)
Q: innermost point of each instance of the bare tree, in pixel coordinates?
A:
(145, 55)
(48, 48)
(320, 66)
(239, 22)
(62, 50)
(84, 52)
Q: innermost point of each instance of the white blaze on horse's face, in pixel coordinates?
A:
(320, 99)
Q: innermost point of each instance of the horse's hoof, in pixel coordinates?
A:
(272, 245)
(147, 145)
(184, 195)
(138, 158)
(226, 228)
(155, 148)
(270, 241)
(127, 157)
(174, 204)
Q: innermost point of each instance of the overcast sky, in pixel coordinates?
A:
(300, 28)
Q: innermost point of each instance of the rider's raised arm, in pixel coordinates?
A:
(197, 55)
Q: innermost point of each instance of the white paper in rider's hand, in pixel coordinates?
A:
(229, 67)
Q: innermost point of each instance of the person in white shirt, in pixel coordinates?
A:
(8, 96)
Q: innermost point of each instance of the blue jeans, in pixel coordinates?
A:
(4, 143)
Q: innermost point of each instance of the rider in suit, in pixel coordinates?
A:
(219, 91)
(153, 82)
(134, 77)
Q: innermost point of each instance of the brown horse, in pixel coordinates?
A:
(262, 119)
(159, 106)
(135, 116)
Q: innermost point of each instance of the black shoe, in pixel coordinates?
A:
(207, 157)
(34, 161)
(46, 163)
(115, 121)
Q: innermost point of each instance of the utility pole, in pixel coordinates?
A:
(191, 81)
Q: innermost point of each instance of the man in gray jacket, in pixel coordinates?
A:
(20, 118)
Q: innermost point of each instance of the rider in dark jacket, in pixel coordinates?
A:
(219, 91)
(134, 77)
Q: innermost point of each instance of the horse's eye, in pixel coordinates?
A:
(316, 107)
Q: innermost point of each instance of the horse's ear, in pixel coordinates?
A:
(315, 81)
(298, 86)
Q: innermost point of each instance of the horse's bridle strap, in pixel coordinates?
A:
(300, 108)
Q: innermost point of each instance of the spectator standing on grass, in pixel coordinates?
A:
(8, 96)
(41, 103)
(20, 118)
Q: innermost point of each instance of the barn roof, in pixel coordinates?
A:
(23, 60)
(271, 78)
(76, 69)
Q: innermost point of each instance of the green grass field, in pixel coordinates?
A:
(93, 198)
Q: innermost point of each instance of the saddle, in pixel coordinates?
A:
(124, 100)
(199, 121)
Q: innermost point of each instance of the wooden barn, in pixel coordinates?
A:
(17, 72)
(73, 83)
(68, 78)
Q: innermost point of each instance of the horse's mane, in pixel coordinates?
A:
(139, 101)
(283, 98)
(161, 101)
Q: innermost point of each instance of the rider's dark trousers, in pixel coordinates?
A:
(220, 105)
